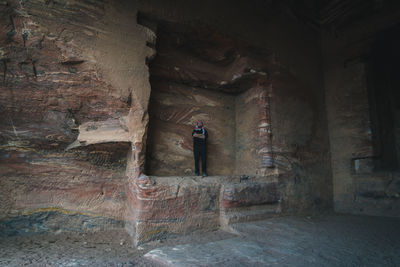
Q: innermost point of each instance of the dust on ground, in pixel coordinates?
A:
(329, 240)
(103, 248)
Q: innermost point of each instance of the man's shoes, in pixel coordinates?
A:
(204, 174)
(196, 174)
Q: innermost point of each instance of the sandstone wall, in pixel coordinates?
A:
(75, 95)
(252, 131)
(358, 187)
(295, 47)
(198, 74)
(299, 128)
(174, 109)
(67, 71)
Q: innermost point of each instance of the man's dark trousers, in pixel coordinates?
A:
(200, 151)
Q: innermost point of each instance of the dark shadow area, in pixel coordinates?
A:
(384, 96)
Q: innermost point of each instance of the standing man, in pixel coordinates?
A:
(200, 136)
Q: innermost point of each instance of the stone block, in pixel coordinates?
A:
(174, 205)
(249, 193)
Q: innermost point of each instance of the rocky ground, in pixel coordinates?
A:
(105, 248)
(331, 240)
(111, 248)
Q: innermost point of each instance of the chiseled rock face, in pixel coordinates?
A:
(173, 111)
(170, 206)
(74, 100)
(250, 193)
(201, 74)
(175, 205)
(64, 136)
(363, 146)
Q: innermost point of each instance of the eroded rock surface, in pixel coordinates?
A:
(75, 96)
(201, 74)
(64, 133)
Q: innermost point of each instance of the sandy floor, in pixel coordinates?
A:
(335, 240)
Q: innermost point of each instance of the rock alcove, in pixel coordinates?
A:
(201, 74)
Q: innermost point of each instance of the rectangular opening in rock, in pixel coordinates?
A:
(199, 74)
(384, 81)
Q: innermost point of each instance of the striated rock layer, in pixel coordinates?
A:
(76, 106)
(64, 133)
(261, 122)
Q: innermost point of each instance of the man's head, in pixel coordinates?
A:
(200, 124)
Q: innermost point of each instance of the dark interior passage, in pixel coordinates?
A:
(385, 99)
